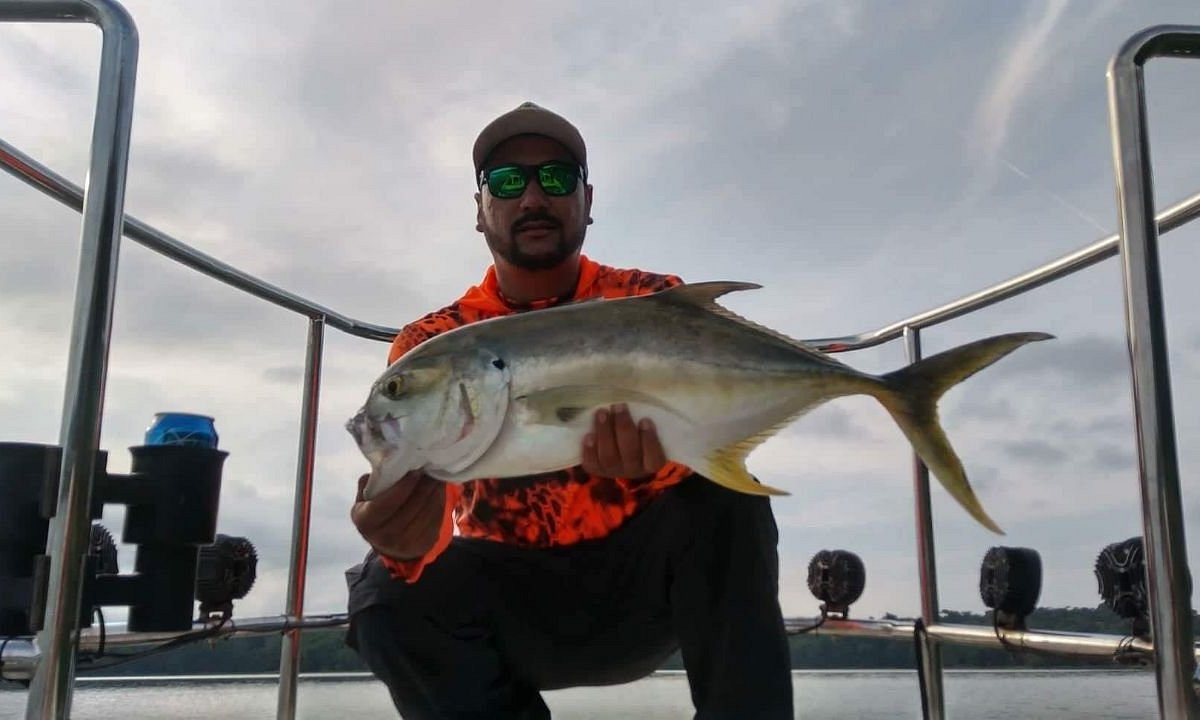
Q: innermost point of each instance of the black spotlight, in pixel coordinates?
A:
(1121, 574)
(225, 573)
(1010, 580)
(837, 579)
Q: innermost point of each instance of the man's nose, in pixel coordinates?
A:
(534, 197)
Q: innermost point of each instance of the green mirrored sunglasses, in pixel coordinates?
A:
(557, 178)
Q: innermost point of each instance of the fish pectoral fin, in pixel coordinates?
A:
(561, 405)
(727, 468)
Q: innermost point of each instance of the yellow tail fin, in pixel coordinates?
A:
(911, 396)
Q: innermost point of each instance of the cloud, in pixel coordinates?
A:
(1022, 60)
(1036, 452)
(1114, 457)
(284, 374)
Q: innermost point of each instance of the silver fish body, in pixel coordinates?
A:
(515, 395)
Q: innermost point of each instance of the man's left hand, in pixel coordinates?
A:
(617, 447)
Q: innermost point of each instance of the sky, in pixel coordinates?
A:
(862, 160)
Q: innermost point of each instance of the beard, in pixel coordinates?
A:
(510, 248)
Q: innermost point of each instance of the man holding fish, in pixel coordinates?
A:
(558, 492)
(589, 575)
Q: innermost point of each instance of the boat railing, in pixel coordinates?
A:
(49, 658)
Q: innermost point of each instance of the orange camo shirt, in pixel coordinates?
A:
(558, 508)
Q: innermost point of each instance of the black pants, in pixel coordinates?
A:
(488, 625)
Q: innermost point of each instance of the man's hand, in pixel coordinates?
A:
(403, 521)
(617, 447)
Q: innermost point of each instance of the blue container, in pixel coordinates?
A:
(170, 428)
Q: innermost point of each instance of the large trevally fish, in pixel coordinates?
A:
(515, 395)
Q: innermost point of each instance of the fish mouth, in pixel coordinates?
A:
(356, 425)
(368, 431)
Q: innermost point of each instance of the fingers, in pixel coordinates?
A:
(370, 514)
(619, 448)
(653, 455)
(413, 528)
(404, 520)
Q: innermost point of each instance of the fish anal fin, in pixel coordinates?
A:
(727, 468)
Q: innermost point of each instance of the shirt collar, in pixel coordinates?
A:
(486, 296)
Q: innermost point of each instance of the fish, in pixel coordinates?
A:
(515, 395)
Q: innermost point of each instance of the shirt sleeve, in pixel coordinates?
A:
(409, 337)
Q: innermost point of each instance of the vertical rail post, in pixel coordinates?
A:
(289, 657)
(1162, 513)
(50, 693)
(931, 657)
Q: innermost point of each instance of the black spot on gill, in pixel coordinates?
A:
(499, 363)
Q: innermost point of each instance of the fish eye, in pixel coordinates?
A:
(394, 387)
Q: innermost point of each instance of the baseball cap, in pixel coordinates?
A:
(529, 119)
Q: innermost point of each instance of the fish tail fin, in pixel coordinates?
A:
(911, 398)
(727, 468)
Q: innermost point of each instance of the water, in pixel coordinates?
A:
(829, 695)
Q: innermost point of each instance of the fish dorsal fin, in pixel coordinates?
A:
(561, 405)
(704, 295)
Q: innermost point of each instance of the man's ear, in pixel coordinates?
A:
(478, 212)
(587, 203)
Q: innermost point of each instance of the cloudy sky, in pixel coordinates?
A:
(863, 161)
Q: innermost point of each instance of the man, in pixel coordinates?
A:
(590, 576)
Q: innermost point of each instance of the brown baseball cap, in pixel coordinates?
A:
(529, 119)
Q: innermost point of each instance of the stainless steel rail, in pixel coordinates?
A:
(41, 177)
(1162, 511)
(87, 364)
(931, 652)
(289, 657)
(19, 657)
(1173, 217)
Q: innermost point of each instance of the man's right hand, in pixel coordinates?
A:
(403, 521)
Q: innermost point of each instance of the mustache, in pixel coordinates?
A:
(535, 217)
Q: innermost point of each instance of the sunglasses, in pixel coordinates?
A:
(557, 178)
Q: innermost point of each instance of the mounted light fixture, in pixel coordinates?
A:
(1121, 575)
(1010, 581)
(226, 571)
(837, 579)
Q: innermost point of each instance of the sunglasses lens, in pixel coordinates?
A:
(506, 182)
(558, 178)
(509, 181)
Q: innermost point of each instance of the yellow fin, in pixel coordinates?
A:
(727, 468)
